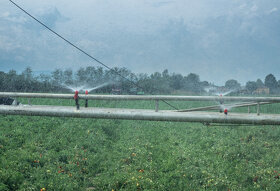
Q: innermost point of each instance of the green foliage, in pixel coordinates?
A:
(156, 83)
(251, 86)
(271, 83)
(91, 154)
(232, 84)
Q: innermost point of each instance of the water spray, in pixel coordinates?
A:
(74, 88)
(98, 87)
(85, 87)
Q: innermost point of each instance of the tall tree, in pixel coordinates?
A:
(259, 83)
(68, 76)
(232, 84)
(57, 76)
(81, 75)
(192, 83)
(271, 82)
(2, 83)
(176, 81)
(27, 73)
(251, 86)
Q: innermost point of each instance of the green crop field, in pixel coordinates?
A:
(47, 153)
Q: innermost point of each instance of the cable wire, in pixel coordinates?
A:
(84, 52)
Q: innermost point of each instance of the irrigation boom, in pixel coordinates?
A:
(141, 97)
(187, 115)
(140, 114)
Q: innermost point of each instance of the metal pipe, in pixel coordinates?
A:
(156, 105)
(258, 108)
(216, 107)
(141, 97)
(138, 114)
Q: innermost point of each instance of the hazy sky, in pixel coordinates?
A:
(217, 39)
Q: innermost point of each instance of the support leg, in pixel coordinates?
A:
(156, 105)
(86, 103)
(258, 109)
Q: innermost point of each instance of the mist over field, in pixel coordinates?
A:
(218, 40)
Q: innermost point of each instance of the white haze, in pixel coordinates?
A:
(89, 89)
(74, 88)
(223, 93)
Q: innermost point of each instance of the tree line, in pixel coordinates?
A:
(123, 79)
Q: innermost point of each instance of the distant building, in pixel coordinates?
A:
(263, 90)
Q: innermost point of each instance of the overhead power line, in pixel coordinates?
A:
(84, 52)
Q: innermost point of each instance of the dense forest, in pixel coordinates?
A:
(127, 82)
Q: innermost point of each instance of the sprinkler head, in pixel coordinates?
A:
(76, 92)
(225, 111)
(86, 92)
